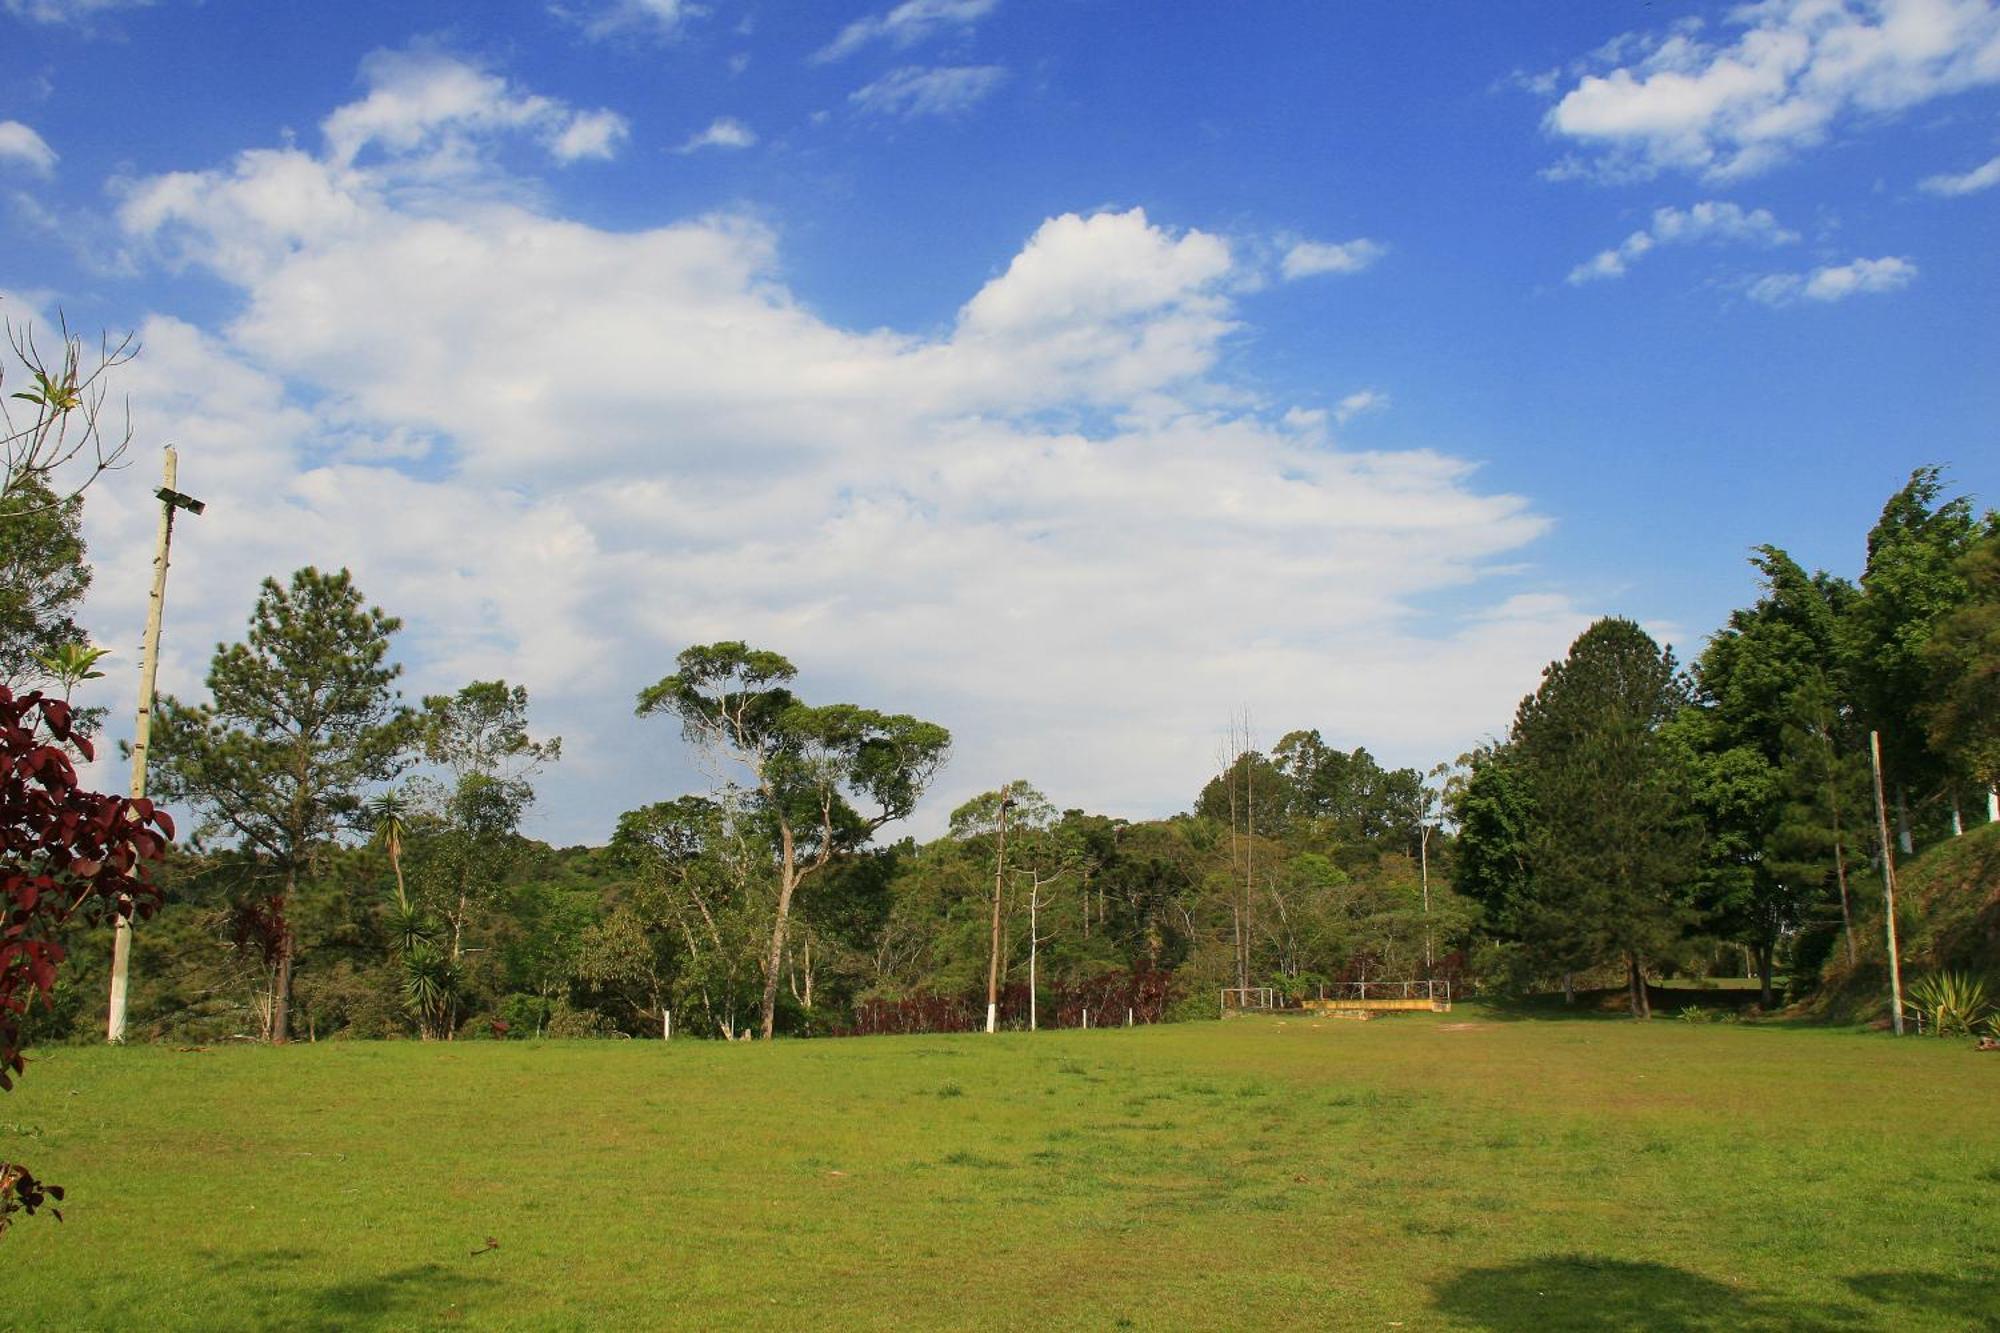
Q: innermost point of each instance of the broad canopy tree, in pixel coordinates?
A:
(807, 767)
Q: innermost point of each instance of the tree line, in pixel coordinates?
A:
(358, 867)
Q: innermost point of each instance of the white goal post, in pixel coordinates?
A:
(1243, 998)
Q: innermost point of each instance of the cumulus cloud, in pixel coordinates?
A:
(1970, 182)
(913, 91)
(722, 132)
(904, 26)
(1712, 221)
(1306, 259)
(1835, 282)
(1053, 525)
(430, 103)
(1794, 70)
(590, 134)
(20, 144)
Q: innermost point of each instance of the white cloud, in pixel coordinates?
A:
(1711, 221)
(913, 91)
(1307, 259)
(68, 11)
(614, 18)
(1793, 72)
(1971, 182)
(590, 134)
(1835, 283)
(1358, 403)
(1053, 526)
(426, 103)
(723, 132)
(19, 143)
(905, 25)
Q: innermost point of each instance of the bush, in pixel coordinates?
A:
(1956, 1003)
(565, 1021)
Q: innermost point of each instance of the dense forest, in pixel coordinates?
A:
(355, 867)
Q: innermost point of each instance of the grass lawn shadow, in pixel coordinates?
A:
(422, 1293)
(1585, 1292)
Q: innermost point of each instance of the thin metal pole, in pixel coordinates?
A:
(142, 731)
(1888, 884)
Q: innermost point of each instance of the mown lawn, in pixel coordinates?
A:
(1458, 1171)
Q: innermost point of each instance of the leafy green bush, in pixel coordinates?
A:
(1694, 1013)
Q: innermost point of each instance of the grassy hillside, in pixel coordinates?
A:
(1948, 916)
(1471, 1170)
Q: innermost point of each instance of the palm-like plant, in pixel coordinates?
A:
(387, 813)
(1957, 1002)
(429, 976)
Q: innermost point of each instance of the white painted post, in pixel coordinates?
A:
(1086, 1020)
(142, 728)
(666, 1025)
(1128, 1016)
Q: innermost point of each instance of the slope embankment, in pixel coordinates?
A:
(1947, 917)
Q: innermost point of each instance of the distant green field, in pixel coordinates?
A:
(1450, 1171)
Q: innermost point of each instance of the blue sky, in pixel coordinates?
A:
(1074, 373)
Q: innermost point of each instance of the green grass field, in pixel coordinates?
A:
(1457, 1171)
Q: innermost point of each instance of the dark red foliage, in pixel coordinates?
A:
(66, 855)
(20, 1192)
(259, 924)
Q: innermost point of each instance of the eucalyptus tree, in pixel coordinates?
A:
(480, 738)
(690, 929)
(1034, 847)
(304, 718)
(805, 766)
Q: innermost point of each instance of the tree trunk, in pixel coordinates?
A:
(1635, 982)
(1034, 944)
(993, 959)
(1903, 843)
(787, 882)
(1765, 950)
(1569, 988)
(281, 986)
(1840, 877)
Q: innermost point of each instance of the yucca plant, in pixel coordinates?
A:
(1956, 1002)
(429, 981)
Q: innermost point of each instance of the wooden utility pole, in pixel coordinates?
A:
(142, 727)
(993, 964)
(1888, 884)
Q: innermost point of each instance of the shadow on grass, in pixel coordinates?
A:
(419, 1294)
(1589, 1293)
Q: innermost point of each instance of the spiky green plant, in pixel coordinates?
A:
(1955, 1002)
